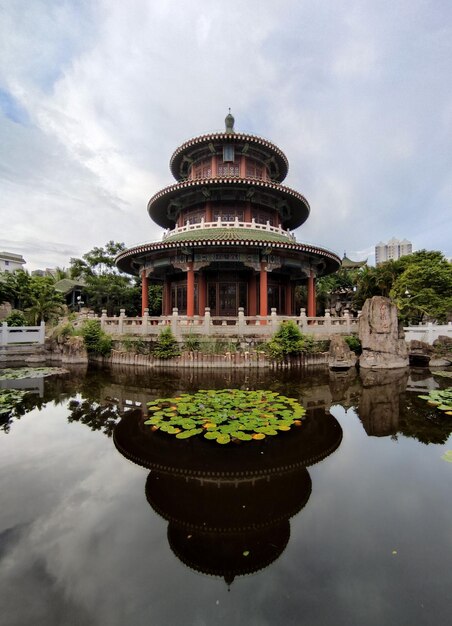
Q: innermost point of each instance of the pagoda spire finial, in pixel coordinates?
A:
(229, 122)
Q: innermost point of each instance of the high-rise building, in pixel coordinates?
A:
(394, 249)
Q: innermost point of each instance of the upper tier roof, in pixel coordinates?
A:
(293, 207)
(213, 141)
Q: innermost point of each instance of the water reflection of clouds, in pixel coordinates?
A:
(88, 549)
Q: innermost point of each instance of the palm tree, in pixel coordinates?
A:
(44, 307)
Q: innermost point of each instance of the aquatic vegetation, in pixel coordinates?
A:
(9, 399)
(18, 373)
(443, 374)
(225, 415)
(447, 456)
(442, 400)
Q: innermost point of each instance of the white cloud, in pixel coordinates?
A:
(358, 98)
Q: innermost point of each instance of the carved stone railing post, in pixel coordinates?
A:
(103, 319)
(303, 321)
(327, 322)
(175, 322)
(241, 324)
(122, 315)
(207, 320)
(273, 320)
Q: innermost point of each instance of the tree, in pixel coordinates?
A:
(35, 295)
(420, 284)
(107, 287)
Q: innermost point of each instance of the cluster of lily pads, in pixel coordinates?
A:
(9, 399)
(442, 400)
(19, 373)
(225, 415)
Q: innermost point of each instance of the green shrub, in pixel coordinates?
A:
(96, 340)
(134, 345)
(16, 318)
(353, 343)
(289, 341)
(192, 343)
(166, 346)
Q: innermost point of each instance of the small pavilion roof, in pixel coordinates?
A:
(348, 264)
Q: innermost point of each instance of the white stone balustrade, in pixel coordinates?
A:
(253, 225)
(240, 326)
(11, 335)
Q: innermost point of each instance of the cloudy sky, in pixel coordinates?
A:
(95, 95)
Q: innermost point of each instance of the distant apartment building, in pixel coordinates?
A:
(394, 249)
(10, 262)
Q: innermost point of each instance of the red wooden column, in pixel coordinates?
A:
(288, 293)
(144, 292)
(208, 216)
(263, 310)
(190, 290)
(248, 212)
(166, 297)
(243, 166)
(252, 296)
(201, 293)
(311, 296)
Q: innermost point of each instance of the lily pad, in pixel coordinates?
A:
(225, 415)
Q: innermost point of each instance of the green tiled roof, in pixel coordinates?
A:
(227, 234)
(65, 285)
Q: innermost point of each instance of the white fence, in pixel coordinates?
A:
(241, 326)
(14, 335)
(428, 332)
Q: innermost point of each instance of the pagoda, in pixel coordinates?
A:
(229, 240)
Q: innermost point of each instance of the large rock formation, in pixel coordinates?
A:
(382, 340)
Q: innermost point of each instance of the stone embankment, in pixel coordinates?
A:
(199, 360)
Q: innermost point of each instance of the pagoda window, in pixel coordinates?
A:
(229, 169)
(262, 217)
(194, 216)
(228, 214)
(228, 153)
(254, 170)
(203, 169)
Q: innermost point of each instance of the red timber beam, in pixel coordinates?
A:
(144, 292)
(190, 289)
(288, 294)
(202, 288)
(312, 309)
(252, 296)
(263, 296)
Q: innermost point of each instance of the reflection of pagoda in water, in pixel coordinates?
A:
(228, 508)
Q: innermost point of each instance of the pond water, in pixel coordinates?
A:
(347, 521)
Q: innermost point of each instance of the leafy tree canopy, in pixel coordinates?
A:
(107, 287)
(420, 284)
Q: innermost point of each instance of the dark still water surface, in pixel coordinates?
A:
(345, 520)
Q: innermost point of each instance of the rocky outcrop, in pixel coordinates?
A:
(420, 353)
(66, 349)
(340, 356)
(382, 339)
(442, 356)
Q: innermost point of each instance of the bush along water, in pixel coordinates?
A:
(289, 341)
(96, 340)
(166, 346)
(225, 415)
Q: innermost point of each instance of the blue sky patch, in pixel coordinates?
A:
(12, 109)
